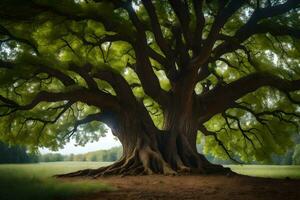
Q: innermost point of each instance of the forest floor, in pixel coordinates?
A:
(204, 187)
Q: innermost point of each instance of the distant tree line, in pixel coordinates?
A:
(16, 154)
(291, 157)
(109, 155)
(19, 154)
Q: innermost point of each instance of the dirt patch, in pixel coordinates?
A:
(210, 187)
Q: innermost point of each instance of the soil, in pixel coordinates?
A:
(204, 187)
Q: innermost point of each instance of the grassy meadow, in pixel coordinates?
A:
(268, 171)
(35, 181)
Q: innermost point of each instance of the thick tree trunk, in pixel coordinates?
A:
(183, 155)
(141, 154)
(147, 150)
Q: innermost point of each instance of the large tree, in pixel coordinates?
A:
(162, 74)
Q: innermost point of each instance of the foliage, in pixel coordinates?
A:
(16, 154)
(68, 67)
(296, 155)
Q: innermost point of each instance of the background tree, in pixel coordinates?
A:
(157, 73)
(51, 157)
(16, 154)
(296, 155)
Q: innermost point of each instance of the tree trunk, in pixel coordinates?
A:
(141, 154)
(182, 152)
(147, 150)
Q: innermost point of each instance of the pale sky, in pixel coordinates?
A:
(103, 143)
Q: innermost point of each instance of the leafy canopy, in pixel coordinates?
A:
(45, 41)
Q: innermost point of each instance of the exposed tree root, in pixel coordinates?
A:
(142, 162)
(143, 157)
(147, 162)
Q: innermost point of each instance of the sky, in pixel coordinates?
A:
(104, 143)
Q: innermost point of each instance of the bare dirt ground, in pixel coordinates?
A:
(209, 187)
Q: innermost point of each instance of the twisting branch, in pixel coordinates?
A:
(100, 40)
(11, 37)
(223, 96)
(181, 9)
(87, 119)
(206, 132)
(249, 110)
(277, 113)
(8, 103)
(96, 98)
(41, 68)
(157, 57)
(84, 73)
(162, 43)
(227, 62)
(64, 108)
(252, 27)
(200, 23)
(120, 85)
(241, 129)
(143, 66)
(220, 20)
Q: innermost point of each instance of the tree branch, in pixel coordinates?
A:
(84, 73)
(65, 79)
(162, 43)
(223, 96)
(86, 120)
(206, 132)
(181, 10)
(120, 85)
(143, 66)
(252, 27)
(95, 98)
(200, 23)
(220, 20)
(5, 31)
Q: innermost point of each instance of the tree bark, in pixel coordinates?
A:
(182, 155)
(147, 150)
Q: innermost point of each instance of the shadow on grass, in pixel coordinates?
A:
(22, 185)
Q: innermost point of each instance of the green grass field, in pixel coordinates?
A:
(268, 171)
(35, 181)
